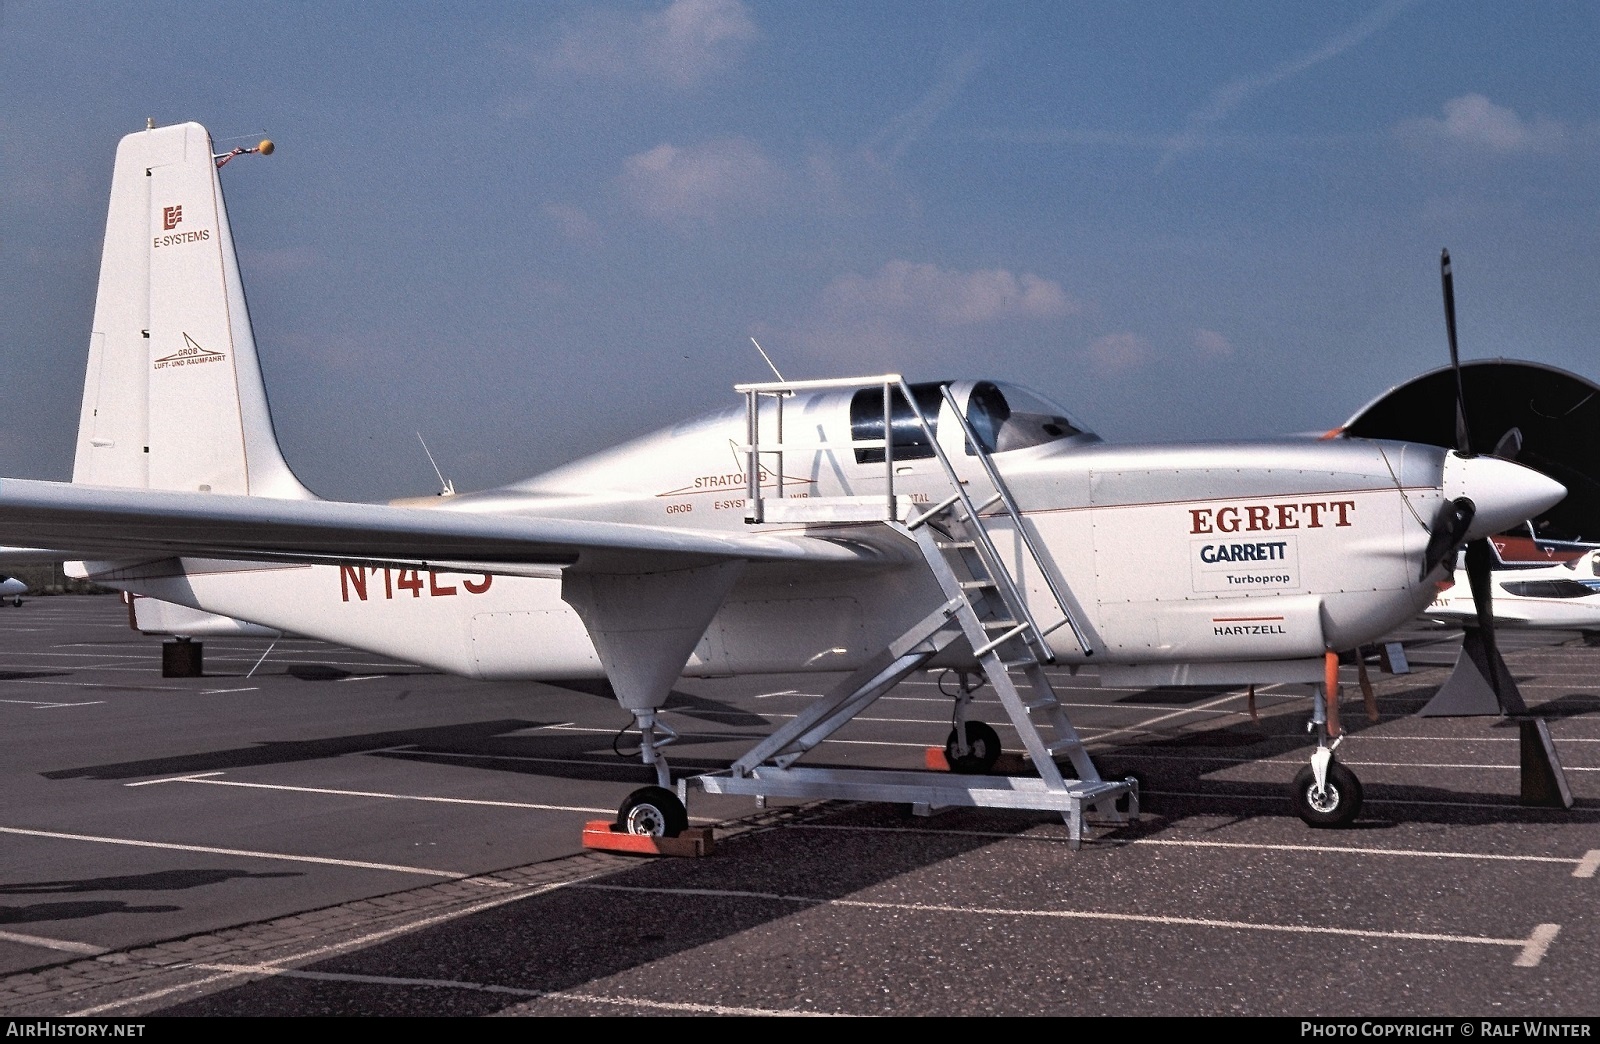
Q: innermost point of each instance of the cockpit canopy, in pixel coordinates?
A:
(1004, 417)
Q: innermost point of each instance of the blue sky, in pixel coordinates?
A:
(533, 230)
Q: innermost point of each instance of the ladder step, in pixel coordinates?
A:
(1042, 703)
(951, 545)
(1026, 661)
(1063, 746)
(978, 585)
(997, 625)
(1000, 640)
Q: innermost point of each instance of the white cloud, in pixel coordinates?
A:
(1473, 121)
(920, 318)
(685, 184)
(1209, 344)
(904, 289)
(679, 45)
(1118, 353)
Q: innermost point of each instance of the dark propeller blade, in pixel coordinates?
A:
(1448, 535)
(1480, 564)
(1463, 437)
(1509, 446)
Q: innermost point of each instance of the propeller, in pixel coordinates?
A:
(1481, 680)
(1455, 517)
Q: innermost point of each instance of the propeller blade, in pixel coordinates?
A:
(1463, 437)
(1509, 446)
(1448, 535)
(1480, 566)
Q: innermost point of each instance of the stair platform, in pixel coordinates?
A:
(931, 790)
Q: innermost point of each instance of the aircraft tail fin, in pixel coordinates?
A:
(174, 398)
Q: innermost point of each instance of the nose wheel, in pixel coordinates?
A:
(1335, 802)
(983, 749)
(652, 812)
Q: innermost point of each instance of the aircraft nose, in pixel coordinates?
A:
(1505, 494)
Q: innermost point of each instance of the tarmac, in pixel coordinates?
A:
(308, 830)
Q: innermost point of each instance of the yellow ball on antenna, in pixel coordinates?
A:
(266, 147)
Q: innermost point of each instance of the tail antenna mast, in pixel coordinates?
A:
(767, 357)
(264, 147)
(446, 487)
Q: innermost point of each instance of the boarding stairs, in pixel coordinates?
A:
(984, 605)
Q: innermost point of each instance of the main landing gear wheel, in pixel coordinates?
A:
(653, 812)
(1334, 805)
(983, 750)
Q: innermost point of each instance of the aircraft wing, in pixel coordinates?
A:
(116, 523)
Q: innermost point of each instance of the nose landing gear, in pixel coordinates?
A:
(1325, 793)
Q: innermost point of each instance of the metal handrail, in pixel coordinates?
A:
(889, 383)
(1016, 518)
(986, 547)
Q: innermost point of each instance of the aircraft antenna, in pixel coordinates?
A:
(767, 357)
(265, 148)
(446, 487)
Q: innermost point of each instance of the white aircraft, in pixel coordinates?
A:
(864, 526)
(12, 590)
(1565, 594)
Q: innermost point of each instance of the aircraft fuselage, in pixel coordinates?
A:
(1195, 554)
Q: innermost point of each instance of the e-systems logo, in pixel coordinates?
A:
(171, 218)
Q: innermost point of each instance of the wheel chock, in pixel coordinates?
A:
(602, 834)
(1007, 764)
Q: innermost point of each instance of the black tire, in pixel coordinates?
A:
(1337, 805)
(653, 812)
(983, 745)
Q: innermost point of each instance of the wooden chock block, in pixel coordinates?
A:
(693, 843)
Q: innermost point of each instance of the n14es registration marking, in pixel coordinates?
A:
(355, 579)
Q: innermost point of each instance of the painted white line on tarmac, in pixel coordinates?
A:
(1584, 867)
(63, 945)
(1538, 945)
(515, 991)
(1144, 726)
(1290, 759)
(218, 692)
(96, 685)
(173, 779)
(209, 850)
(1367, 738)
(43, 705)
(1503, 806)
(331, 949)
(1531, 950)
(380, 794)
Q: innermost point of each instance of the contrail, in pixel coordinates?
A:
(1225, 99)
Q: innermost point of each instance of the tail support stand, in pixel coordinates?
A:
(1481, 685)
(1544, 785)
